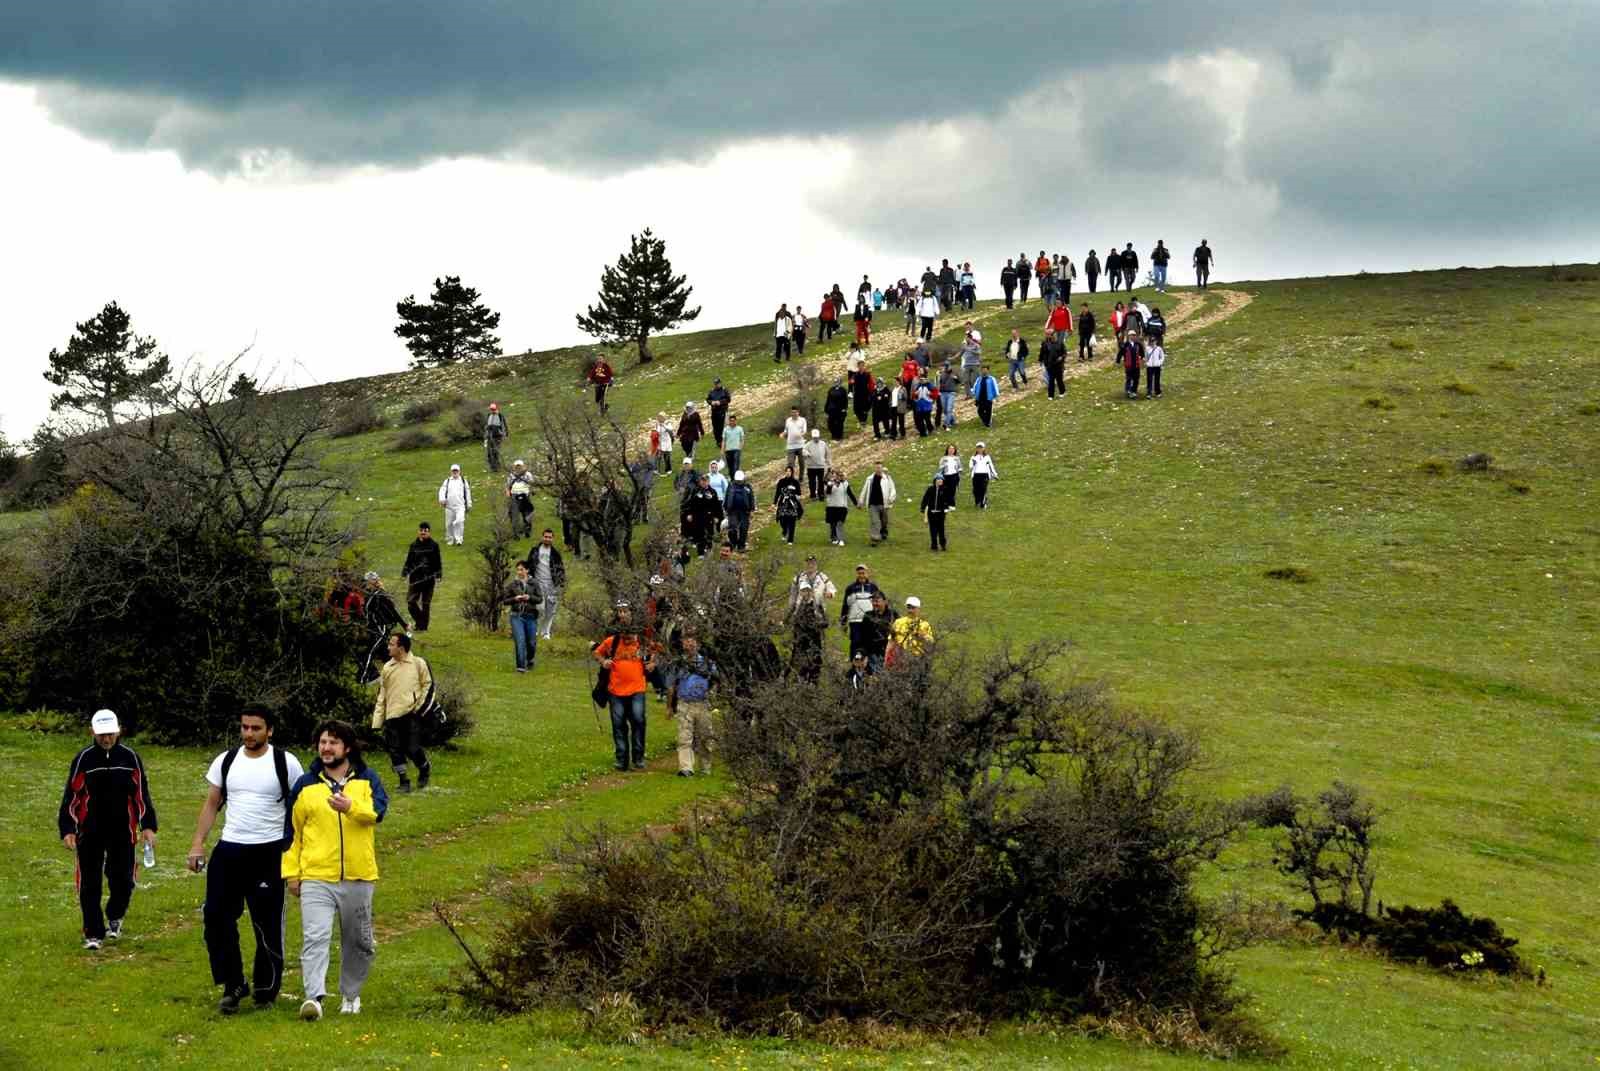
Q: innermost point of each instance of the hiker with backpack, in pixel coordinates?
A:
(625, 656)
(495, 432)
(786, 498)
(405, 698)
(250, 785)
(739, 504)
(382, 617)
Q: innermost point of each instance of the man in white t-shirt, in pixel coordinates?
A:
(252, 781)
(794, 437)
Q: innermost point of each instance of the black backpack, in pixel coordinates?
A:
(279, 762)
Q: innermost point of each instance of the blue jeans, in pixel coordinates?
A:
(1019, 368)
(947, 402)
(525, 638)
(1160, 271)
(627, 725)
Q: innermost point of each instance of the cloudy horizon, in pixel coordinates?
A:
(280, 176)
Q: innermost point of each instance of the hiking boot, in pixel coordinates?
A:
(424, 776)
(231, 998)
(311, 1009)
(114, 929)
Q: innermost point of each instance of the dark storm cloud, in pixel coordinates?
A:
(1380, 112)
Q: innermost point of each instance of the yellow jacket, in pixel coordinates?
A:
(402, 686)
(327, 845)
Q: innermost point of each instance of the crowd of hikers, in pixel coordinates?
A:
(310, 831)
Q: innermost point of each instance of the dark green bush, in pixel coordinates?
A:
(356, 418)
(414, 439)
(960, 839)
(423, 409)
(1447, 938)
(467, 422)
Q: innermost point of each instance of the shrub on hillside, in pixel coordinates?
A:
(467, 422)
(807, 396)
(959, 839)
(414, 439)
(491, 571)
(420, 410)
(356, 418)
(1326, 850)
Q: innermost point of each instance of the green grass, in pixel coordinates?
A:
(1441, 656)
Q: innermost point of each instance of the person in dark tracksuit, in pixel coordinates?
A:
(1114, 269)
(423, 569)
(252, 781)
(105, 810)
(1091, 270)
(934, 507)
(1086, 326)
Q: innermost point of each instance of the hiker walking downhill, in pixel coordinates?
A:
(1053, 357)
(455, 495)
(787, 504)
(878, 498)
(624, 658)
(545, 563)
(933, 508)
(718, 399)
(105, 811)
(251, 782)
(837, 500)
(600, 376)
(1091, 269)
(519, 498)
(690, 681)
(405, 690)
(981, 467)
(1202, 264)
(525, 599)
(495, 432)
(331, 864)
(382, 617)
(985, 389)
(423, 569)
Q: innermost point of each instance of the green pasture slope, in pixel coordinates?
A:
(1440, 653)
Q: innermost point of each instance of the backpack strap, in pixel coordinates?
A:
(227, 764)
(280, 762)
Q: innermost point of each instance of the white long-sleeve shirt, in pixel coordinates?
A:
(455, 492)
(950, 465)
(982, 464)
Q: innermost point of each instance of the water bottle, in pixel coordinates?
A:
(149, 855)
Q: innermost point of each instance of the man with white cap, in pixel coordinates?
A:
(739, 504)
(105, 810)
(519, 496)
(455, 495)
(815, 453)
(910, 635)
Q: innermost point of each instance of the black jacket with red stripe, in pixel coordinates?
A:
(107, 794)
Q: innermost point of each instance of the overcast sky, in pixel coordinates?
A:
(278, 175)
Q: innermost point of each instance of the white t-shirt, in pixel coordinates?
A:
(254, 813)
(794, 429)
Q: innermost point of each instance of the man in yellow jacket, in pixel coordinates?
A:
(332, 862)
(404, 687)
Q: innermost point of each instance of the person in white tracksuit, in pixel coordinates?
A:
(455, 495)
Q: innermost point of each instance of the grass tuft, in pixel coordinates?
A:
(1402, 344)
(1379, 403)
(1465, 389)
(1294, 574)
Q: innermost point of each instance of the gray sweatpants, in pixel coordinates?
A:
(351, 901)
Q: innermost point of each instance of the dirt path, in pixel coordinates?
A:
(858, 453)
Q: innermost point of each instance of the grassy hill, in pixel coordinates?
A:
(1433, 642)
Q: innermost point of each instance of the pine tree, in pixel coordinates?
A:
(244, 387)
(105, 366)
(455, 326)
(638, 297)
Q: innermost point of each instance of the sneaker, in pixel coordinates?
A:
(231, 998)
(265, 998)
(91, 944)
(621, 767)
(114, 929)
(350, 1006)
(404, 785)
(311, 1009)
(522, 669)
(638, 766)
(685, 773)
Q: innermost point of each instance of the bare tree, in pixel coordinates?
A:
(595, 468)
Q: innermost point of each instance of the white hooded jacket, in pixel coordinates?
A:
(455, 492)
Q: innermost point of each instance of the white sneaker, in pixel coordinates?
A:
(350, 1006)
(310, 1010)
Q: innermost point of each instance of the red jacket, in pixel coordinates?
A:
(600, 373)
(1061, 319)
(909, 371)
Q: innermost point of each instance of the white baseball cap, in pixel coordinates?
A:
(455, 468)
(912, 600)
(739, 475)
(816, 433)
(105, 721)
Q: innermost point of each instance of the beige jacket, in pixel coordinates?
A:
(401, 688)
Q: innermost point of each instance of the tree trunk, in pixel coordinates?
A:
(644, 350)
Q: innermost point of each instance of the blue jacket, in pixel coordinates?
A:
(985, 389)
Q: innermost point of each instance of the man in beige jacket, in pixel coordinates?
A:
(404, 689)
